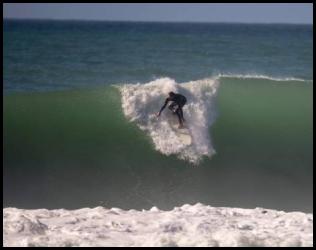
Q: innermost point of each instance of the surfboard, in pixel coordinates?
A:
(182, 133)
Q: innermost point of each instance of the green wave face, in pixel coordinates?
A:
(75, 148)
(62, 124)
(264, 119)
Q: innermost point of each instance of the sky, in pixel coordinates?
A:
(173, 12)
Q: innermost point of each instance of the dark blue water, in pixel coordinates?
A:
(48, 55)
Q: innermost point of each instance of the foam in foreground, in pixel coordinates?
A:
(189, 225)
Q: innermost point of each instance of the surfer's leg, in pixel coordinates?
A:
(181, 114)
(181, 111)
(178, 112)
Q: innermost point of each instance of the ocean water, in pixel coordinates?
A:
(79, 124)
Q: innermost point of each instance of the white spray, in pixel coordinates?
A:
(141, 102)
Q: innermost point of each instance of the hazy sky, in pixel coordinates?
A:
(189, 12)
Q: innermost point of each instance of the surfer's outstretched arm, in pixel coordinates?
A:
(163, 107)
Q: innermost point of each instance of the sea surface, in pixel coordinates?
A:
(79, 126)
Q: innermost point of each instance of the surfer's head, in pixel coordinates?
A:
(171, 94)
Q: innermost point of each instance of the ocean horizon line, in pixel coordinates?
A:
(148, 21)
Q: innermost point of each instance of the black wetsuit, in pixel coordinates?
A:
(178, 101)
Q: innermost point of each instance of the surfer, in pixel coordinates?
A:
(176, 106)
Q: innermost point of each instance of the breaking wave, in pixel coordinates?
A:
(140, 102)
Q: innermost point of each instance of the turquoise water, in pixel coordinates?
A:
(67, 143)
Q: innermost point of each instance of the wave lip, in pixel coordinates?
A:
(140, 103)
(189, 225)
(255, 76)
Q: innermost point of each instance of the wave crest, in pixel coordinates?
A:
(255, 76)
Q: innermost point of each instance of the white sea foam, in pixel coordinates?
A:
(256, 76)
(189, 225)
(141, 102)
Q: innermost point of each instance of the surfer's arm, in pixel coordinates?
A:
(163, 107)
